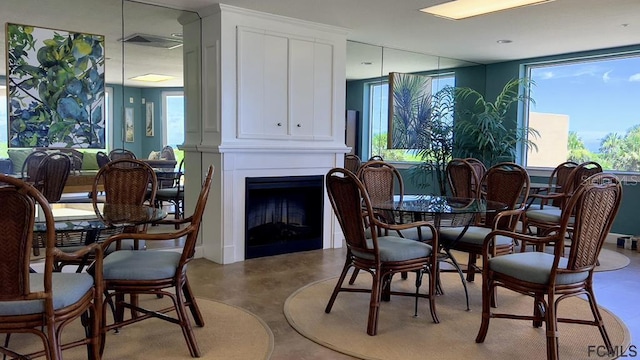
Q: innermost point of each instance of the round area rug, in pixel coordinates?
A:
(611, 260)
(403, 336)
(229, 333)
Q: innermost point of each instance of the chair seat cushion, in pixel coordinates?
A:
(547, 215)
(474, 235)
(167, 192)
(412, 234)
(140, 265)
(68, 288)
(394, 248)
(534, 267)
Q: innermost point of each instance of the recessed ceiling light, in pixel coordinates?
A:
(461, 9)
(151, 78)
(504, 41)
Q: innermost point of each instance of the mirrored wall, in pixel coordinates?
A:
(139, 39)
(368, 69)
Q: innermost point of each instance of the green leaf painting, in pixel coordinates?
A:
(56, 88)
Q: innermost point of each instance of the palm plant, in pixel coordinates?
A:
(434, 141)
(488, 130)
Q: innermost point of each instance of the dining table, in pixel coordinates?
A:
(77, 232)
(442, 211)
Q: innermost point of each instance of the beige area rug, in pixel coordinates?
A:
(402, 336)
(230, 333)
(611, 260)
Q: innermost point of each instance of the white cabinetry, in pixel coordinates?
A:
(285, 86)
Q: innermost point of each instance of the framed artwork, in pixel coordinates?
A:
(129, 129)
(149, 118)
(55, 81)
(409, 109)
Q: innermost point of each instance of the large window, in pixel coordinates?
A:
(379, 123)
(586, 110)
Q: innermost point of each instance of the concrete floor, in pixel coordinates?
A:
(262, 285)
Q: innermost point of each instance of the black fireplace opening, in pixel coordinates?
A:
(283, 215)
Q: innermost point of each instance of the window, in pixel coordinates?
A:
(585, 110)
(173, 120)
(379, 124)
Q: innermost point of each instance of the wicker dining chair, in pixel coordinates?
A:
(52, 174)
(506, 183)
(381, 256)
(117, 154)
(551, 278)
(125, 181)
(43, 303)
(463, 179)
(160, 273)
(171, 189)
(547, 217)
(102, 158)
(352, 163)
(31, 164)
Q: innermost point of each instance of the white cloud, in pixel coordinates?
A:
(634, 77)
(547, 75)
(606, 77)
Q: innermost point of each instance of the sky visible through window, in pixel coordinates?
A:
(600, 97)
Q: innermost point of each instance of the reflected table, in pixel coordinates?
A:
(443, 211)
(74, 233)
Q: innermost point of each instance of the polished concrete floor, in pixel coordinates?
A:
(262, 285)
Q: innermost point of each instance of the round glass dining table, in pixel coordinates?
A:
(442, 210)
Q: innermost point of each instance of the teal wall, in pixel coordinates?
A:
(489, 80)
(142, 144)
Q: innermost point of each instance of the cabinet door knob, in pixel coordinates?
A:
(299, 125)
(279, 124)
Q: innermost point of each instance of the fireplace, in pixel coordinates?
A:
(283, 214)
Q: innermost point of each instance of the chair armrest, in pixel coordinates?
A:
(148, 236)
(488, 250)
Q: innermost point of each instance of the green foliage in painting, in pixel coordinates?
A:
(56, 88)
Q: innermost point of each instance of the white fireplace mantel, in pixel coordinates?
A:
(272, 104)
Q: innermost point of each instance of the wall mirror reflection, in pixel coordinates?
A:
(143, 73)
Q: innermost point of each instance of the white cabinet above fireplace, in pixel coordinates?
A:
(285, 86)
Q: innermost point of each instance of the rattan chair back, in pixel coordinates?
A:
(52, 175)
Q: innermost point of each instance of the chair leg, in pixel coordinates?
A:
(354, 275)
(471, 267)
(185, 323)
(552, 328)
(336, 289)
(487, 294)
(374, 303)
(190, 301)
(598, 319)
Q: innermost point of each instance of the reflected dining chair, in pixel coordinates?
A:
(117, 154)
(171, 189)
(43, 303)
(380, 256)
(102, 158)
(52, 174)
(31, 164)
(50, 179)
(160, 273)
(506, 183)
(551, 278)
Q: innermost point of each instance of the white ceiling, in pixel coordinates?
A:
(561, 26)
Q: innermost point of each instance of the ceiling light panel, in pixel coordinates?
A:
(462, 9)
